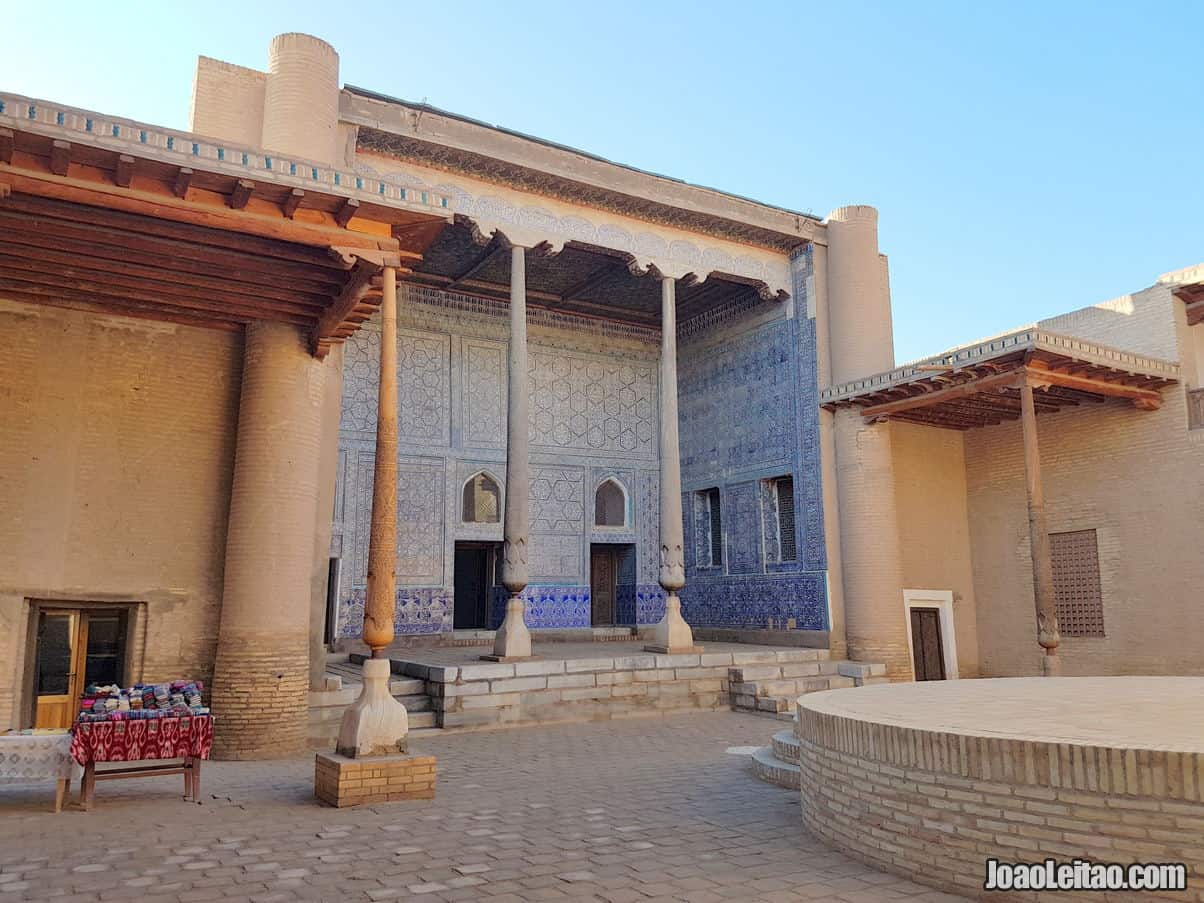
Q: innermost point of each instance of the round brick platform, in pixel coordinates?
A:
(930, 779)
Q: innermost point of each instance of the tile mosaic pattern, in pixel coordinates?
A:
(546, 606)
(419, 610)
(751, 601)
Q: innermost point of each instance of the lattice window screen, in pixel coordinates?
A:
(785, 487)
(1077, 583)
(716, 528)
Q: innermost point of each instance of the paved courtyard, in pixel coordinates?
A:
(633, 810)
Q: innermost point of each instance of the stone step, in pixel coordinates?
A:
(785, 746)
(768, 767)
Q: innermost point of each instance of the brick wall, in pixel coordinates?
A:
(115, 468)
(934, 532)
(227, 102)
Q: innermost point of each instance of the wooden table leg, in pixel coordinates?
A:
(60, 791)
(88, 787)
(196, 780)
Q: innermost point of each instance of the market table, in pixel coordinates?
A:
(38, 757)
(188, 737)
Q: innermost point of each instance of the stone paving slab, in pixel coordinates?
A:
(615, 811)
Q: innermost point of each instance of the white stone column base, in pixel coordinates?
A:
(376, 724)
(672, 635)
(512, 640)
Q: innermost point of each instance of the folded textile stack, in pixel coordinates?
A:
(142, 701)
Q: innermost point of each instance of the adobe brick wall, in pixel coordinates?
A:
(1135, 478)
(116, 455)
(934, 531)
(227, 102)
(934, 806)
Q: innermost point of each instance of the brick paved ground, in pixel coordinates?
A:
(634, 810)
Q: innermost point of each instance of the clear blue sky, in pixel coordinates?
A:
(1026, 158)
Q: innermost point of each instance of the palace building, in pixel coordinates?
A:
(614, 389)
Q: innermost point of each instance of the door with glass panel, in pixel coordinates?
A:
(74, 648)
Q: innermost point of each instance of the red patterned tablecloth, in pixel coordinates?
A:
(130, 741)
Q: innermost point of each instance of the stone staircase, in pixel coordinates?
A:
(778, 763)
(343, 688)
(772, 688)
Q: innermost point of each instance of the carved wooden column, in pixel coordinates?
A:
(672, 634)
(1038, 533)
(513, 639)
(377, 723)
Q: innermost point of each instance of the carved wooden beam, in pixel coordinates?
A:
(344, 214)
(60, 157)
(183, 180)
(358, 284)
(291, 202)
(243, 190)
(1037, 376)
(124, 173)
(1008, 380)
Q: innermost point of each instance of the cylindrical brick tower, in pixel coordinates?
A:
(861, 343)
(261, 676)
(301, 98)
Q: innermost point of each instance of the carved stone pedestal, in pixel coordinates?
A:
(376, 724)
(512, 642)
(672, 635)
(342, 781)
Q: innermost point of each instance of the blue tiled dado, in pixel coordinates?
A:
(546, 606)
(418, 610)
(752, 601)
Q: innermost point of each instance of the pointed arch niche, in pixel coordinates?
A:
(481, 499)
(612, 507)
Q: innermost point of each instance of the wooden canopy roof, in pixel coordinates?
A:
(979, 385)
(104, 214)
(580, 278)
(1193, 296)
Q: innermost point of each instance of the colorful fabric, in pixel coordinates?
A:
(130, 741)
(35, 756)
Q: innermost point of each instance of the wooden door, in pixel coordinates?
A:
(602, 578)
(470, 603)
(57, 668)
(927, 649)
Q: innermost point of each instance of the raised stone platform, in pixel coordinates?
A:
(593, 681)
(930, 779)
(342, 781)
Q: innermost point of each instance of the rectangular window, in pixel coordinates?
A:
(716, 528)
(1076, 577)
(785, 496)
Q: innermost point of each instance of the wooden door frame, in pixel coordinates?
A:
(134, 617)
(611, 549)
(493, 553)
(942, 601)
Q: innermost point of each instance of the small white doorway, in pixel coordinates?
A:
(928, 614)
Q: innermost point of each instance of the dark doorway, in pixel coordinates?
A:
(603, 582)
(74, 647)
(332, 601)
(927, 649)
(476, 564)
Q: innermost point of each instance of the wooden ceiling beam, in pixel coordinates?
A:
(60, 157)
(595, 277)
(492, 250)
(56, 249)
(7, 145)
(123, 174)
(1195, 312)
(1143, 399)
(48, 285)
(183, 180)
(168, 246)
(353, 293)
(986, 384)
(147, 278)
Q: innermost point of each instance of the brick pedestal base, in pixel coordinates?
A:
(341, 781)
